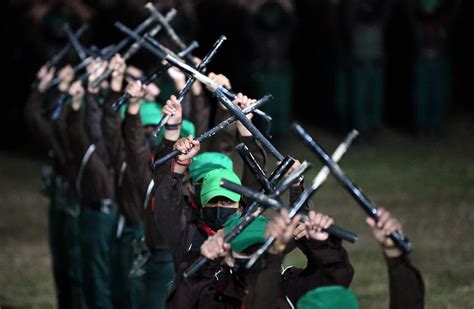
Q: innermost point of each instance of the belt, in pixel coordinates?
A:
(105, 205)
(160, 255)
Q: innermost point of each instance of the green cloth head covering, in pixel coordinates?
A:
(150, 114)
(208, 161)
(251, 235)
(328, 297)
(211, 185)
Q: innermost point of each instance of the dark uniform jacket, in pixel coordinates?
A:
(407, 289)
(138, 175)
(97, 181)
(51, 134)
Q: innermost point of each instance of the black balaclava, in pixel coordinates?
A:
(216, 217)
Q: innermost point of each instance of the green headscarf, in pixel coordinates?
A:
(208, 161)
(211, 185)
(251, 235)
(328, 297)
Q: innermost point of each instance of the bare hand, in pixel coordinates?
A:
(315, 225)
(117, 65)
(135, 90)
(282, 228)
(66, 74)
(173, 108)
(178, 77)
(45, 77)
(291, 170)
(385, 226)
(300, 231)
(242, 102)
(151, 91)
(76, 91)
(95, 69)
(221, 79)
(215, 247)
(188, 148)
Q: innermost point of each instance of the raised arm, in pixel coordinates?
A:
(407, 289)
(328, 262)
(170, 214)
(111, 122)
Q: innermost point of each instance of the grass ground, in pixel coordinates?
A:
(429, 186)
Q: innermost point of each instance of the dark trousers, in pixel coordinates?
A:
(98, 228)
(432, 90)
(127, 292)
(63, 229)
(158, 277)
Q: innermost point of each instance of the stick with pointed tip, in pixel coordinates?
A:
(56, 58)
(117, 48)
(254, 210)
(211, 84)
(189, 83)
(206, 135)
(400, 241)
(154, 75)
(162, 20)
(133, 49)
(75, 42)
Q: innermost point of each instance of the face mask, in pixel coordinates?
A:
(216, 217)
(152, 141)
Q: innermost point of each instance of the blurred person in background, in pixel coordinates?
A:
(273, 24)
(432, 84)
(368, 68)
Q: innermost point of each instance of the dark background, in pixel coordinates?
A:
(309, 41)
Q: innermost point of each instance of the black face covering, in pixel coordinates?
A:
(215, 217)
(152, 141)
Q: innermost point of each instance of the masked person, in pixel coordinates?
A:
(367, 22)
(172, 210)
(431, 74)
(224, 282)
(180, 229)
(64, 209)
(220, 283)
(202, 164)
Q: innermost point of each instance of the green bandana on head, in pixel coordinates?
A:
(328, 297)
(206, 162)
(211, 186)
(150, 113)
(251, 235)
